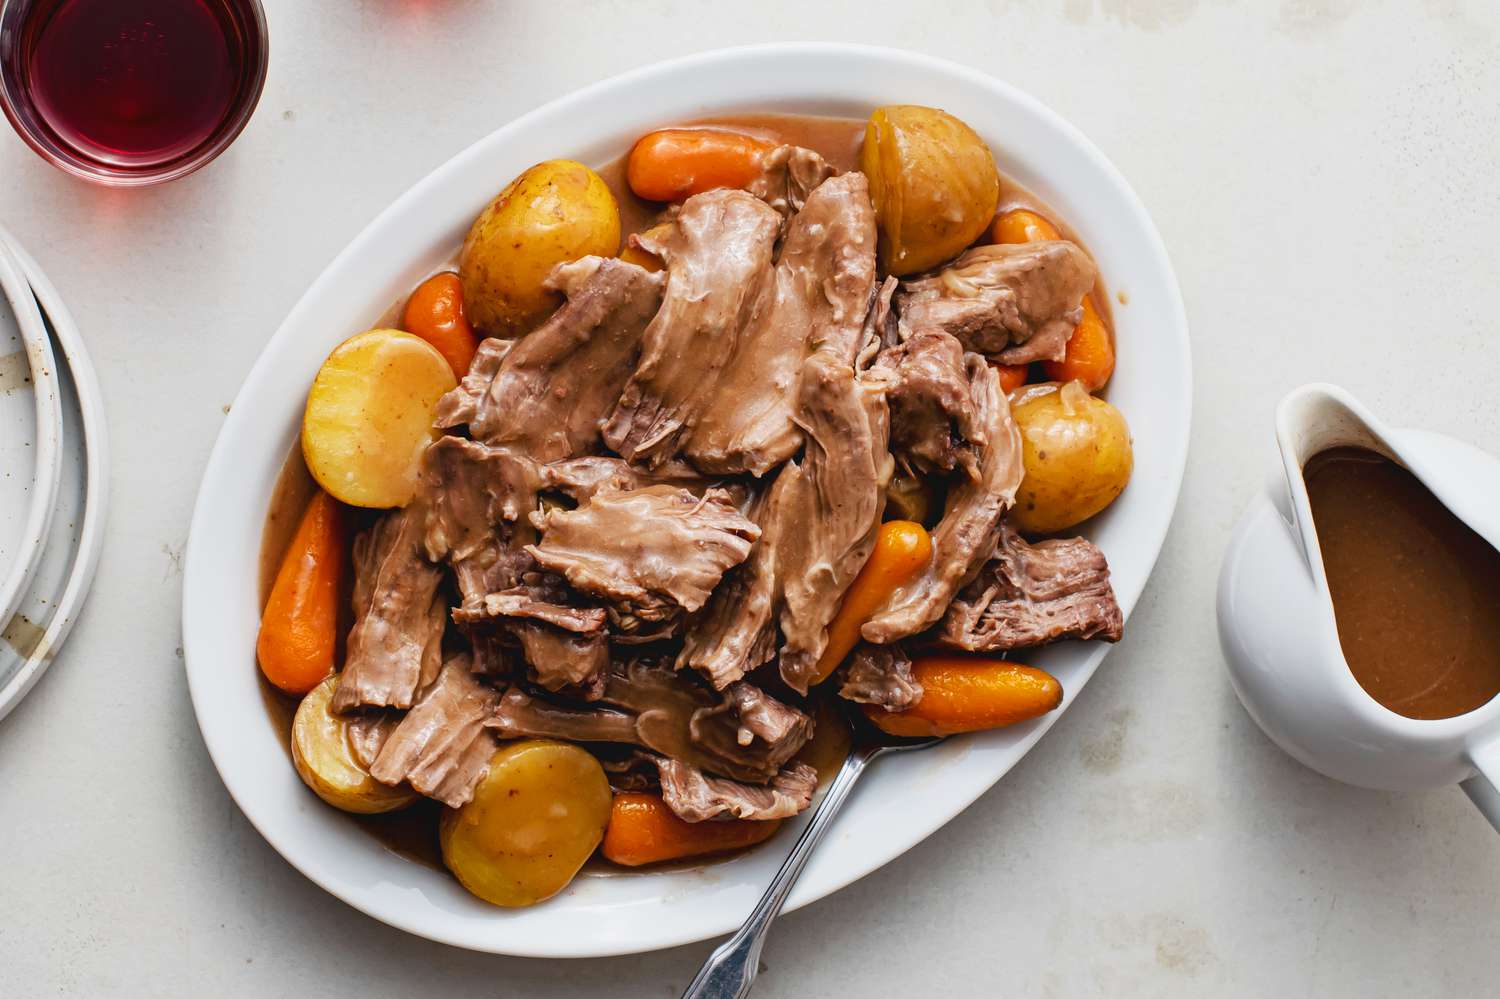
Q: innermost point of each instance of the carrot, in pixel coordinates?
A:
(435, 312)
(967, 694)
(1091, 353)
(641, 258)
(675, 163)
(1090, 357)
(902, 549)
(1012, 376)
(1022, 226)
(643, 830)
(299, 626)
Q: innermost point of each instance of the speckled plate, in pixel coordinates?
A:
(30, 434)
(47, 607)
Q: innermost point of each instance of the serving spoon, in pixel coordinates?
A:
(730, 970)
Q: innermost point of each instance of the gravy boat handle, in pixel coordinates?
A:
(1484, 787)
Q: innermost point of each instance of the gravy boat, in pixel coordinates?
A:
(1276, 619)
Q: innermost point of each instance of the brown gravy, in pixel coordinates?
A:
(1416, 592)
(412, 833)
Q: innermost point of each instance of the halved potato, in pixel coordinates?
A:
(369, 416)
(325, 761)
(534, 819)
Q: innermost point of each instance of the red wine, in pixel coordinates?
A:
(135, 82)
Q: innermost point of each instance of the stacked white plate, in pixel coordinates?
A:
(53, 473)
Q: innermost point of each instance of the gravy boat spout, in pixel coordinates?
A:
(1276, 616)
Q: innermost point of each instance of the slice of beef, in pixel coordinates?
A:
(788, 175)
(581, 478)
(552, 388)
(881, 330)
(441, 747)
(741, 733)
(566, 647)
(934, 424)
(816, 299)
(880, 674)
(628, 769)
(459, 407)
(367, 732)
(652, 553)
(395, 646)
(826, 522)
(718, 256)
(736, 632)
(965, 536)
(696, 797)
(1031, 594)
(473, 496)
(1015, 302)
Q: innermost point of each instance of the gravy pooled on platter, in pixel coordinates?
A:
(1416, 592)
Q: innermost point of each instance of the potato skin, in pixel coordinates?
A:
(1077, 453)
(933, 182)
(369, 416)
(324, 761)
(555, 212)
(534, 819)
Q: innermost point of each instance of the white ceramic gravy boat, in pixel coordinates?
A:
(1276, 622)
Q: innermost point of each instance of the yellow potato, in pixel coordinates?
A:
(369, 416)
(933, 182)
(534, 819)
(1076, 449)
(321, 754)
(555, 212)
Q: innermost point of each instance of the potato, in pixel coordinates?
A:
(369, 416)
(555, 212)
(1077, 453)
(933, 182)
(534, 819)
(325, 762)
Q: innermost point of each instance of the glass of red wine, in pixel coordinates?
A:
(131, 92)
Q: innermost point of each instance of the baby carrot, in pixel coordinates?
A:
(1091, 353)
(298, 629)
(902, 549)
(1022, 226)
(675, 163)
(435, 312)
(643, 830)
(1090, 357)
(1012, 376)
(967, 694)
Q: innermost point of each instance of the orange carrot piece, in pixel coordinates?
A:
(641, 258)
(1022, 226)
(1091, 353)
(1012, 376)
(435, 312)
(675, 163)
(643, 830)
(1090, 357)
(902, 549)
(298, 630)
(969, 693)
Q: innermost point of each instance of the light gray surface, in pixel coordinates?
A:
(1324, 176)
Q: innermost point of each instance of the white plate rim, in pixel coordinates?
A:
(69, 603)
(48, 467)
(535, 932)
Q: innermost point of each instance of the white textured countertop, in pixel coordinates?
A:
(1324, 173)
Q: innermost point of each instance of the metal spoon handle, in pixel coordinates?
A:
(730, 969)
